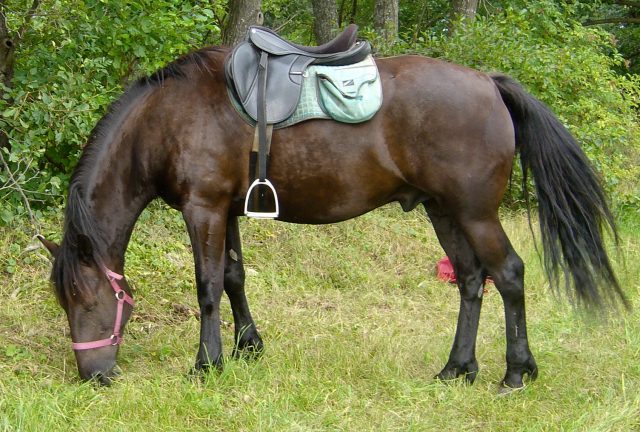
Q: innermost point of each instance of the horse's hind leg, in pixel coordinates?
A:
(494, 250)
(247, 338)
(470, 279)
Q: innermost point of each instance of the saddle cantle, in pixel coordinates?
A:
(285, 63)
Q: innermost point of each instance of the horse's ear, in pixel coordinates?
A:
(51, 246)
(85, 250)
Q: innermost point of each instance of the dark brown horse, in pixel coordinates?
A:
(445, 138)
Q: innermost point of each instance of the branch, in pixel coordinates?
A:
(27, 17)
(283, 25)
(630, 3)
(17, 186)
(633, 55)
(622, 20)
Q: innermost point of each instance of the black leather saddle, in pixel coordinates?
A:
(284, 64)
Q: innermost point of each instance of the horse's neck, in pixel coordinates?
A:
(116, 198)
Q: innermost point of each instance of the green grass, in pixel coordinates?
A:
(355, 326)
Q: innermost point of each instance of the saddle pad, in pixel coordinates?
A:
(310, 107)
(352, 93)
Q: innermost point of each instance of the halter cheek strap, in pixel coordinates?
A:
(122, 297)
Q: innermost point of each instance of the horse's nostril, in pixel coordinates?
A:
(106, 378)
(101, 378)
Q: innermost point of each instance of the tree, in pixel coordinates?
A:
(347, 11)
(67, 61)
(621, 18)
(325, 20)
(8, 44)
(242, 14)
(385, 20)
(465, 9)
(626, 13)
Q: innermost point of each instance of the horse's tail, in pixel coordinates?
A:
(571, 203)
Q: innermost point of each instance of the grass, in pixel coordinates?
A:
(355, 325)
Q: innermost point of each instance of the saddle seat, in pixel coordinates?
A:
(337, 50)
(284, 63)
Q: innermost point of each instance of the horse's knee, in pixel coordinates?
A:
(209, 294)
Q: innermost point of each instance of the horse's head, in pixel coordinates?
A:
(94, 299)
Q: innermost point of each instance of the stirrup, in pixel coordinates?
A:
(259, 214)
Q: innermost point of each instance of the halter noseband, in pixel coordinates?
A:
(122, 297)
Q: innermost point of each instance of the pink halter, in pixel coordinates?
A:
(122, 297)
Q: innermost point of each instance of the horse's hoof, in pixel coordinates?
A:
(450, 373)
(249, 348)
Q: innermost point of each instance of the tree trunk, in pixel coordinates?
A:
(464, 9)
(241, 15)
(8, 44)
(325, 22)
(7, 49)
(354, 11)
(385, 20)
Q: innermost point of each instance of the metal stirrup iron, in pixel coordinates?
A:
(262, 185)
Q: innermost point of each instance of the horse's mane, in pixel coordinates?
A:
(80, 225)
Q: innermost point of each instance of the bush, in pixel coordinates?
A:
(78, 56)
(74, 61)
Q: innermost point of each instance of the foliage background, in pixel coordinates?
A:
(76, 57)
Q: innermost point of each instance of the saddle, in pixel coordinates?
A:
(284, 64)
(265, 73)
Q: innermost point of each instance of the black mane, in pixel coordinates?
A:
(79, 220)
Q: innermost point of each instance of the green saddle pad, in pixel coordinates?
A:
(349, 94)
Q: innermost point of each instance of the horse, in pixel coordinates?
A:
(445, 139)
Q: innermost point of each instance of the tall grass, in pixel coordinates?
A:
(355, 325)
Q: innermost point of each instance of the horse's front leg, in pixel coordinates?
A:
(247, 338)
(207, 229)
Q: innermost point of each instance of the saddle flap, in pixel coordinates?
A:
(242, 69)
(284, 81)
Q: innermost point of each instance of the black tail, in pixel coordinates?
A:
(571, 202)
